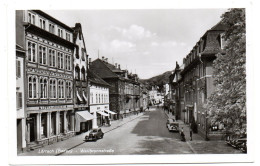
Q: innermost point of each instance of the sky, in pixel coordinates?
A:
(147, 42)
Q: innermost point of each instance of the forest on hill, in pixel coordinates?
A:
(158, 80)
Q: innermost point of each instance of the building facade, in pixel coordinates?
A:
(49, 78)
(20, 99)
(83, 118)
(124, 91)
(197, 79)
(99, 100)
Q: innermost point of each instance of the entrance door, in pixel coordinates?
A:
(32, 129)
(19, 135)
(190, 114)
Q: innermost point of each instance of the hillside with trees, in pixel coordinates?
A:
(158, 80)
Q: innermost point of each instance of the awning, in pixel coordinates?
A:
(110, 112)
(103, 113)
(80, 99)
(85, 98)
(82, 116)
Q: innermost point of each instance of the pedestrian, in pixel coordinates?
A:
(190, 133)
(148, 108)
(182, 135)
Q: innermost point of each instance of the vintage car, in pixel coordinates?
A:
(172, 125)
(94, 134)
(238, 141)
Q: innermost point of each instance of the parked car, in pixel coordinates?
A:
(94, 134)
(238, 141)
(172, 125)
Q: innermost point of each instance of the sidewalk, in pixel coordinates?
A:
(186, 129)
(62, 146)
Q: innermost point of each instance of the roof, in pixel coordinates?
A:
(53, 19)
(103, 69)
(94, 78)
(218, 27)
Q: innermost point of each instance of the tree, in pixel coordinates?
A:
(228, 103)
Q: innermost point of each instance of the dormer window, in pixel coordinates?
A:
(42, 23)
(51, 28)
(68, 36)
(223, 42)
(60, 32)
(31, 18)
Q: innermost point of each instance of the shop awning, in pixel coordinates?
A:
(85, 98)
(80, 99)
(82, 116)
(110, 112)
(103, 113)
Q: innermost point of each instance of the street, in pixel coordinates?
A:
(145, 134)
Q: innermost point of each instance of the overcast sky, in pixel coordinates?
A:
(148, 42)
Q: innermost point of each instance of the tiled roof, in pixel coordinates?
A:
(94, 78)
(218, 27)
(102, 69)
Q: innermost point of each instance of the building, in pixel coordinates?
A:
(176, 93)
(156, 97)
(83, 118)
(124, 91)
(20, 85)
(198, 81)
(20, 99)
(49, 77)
(99, 100)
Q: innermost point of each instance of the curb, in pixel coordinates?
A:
(104, 132)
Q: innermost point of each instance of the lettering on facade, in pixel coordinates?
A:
(51, 107)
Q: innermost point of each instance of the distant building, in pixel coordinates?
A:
(124, 91)
(156, 97)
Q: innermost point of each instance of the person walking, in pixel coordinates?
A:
(190, 133)
(182, 135)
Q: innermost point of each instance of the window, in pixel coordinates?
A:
(19, 100)
(51, 28)
(42, 55)
(31, 51)
(68, 36)
(77, 73)
(68, 89)
(60, 32)
(69, 63)
(60, 60)
(83, 74)
(91, 98)
(96, 98)
(18, 68)
(32, 86)
(52, 57)
(42, 23)
(31, 18)
(82, 54)
(223, 42)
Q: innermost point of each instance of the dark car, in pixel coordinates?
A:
(172, 125)
(94, 134)
(238, 141)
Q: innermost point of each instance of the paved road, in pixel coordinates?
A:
(145, 135)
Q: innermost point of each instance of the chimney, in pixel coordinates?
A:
(106, 60)
(119, 66)
(103, 58)
(116, 65)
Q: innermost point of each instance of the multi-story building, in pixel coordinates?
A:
(49, 78)
(20, 100)
(197, 78)
(124, 91)
(99, 100)
(20, 85)
(176, 93)
(83, 118)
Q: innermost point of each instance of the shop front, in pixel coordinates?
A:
(83, 121)
(49, 124)
(102, 115)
